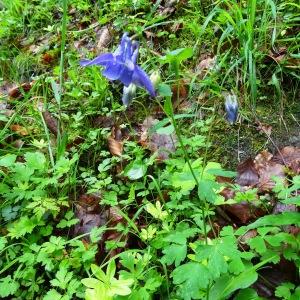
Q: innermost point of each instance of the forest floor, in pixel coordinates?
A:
(175, 176)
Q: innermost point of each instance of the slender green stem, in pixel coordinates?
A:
(175, 66)
(61, 66)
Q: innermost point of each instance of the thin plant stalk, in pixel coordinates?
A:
(61, 66)
(175, 66)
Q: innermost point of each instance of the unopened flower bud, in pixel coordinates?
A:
(231, 107)
(155, 78)
(128, 93)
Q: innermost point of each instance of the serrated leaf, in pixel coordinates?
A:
(191, 277)
(258, 244)
(8, 286)
(174, 253)
(35, 160)
(7, 160)
(286, 218)
(216, 262)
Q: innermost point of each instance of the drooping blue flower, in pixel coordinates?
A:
(122, 65)
(231, 107)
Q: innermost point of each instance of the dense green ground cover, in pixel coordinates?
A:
(103, 201)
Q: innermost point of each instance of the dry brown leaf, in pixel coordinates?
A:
(115, 143)
(115, 147)
(262, 159)
(89, 214)
(265, 128)
(17, 91)
(206, 64)
(47, 58)
(51, 122)
(242, 211)
(243, 239)
(290, 157)
(19, 129)
(227, 193)
(266, 183)
(247, 174)
(104, 38)
(162, 144)
(278, 55)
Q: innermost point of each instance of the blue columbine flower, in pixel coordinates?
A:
(231, 107)
(122, 65)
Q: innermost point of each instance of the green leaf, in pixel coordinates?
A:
(192, 277)
(284, 290)
(286, 218)
(35, 160)
(206, 190)
(216, 263)
(247, 294)
(166, 130)
(23, 226)
(181, 234)
(164, 90)
(258, 244)
(8, 286)
(97, 271)
(91, 282)
(3, 242)
(96, 233)
(53, 295)
(174, 253)
(136, 169)
(168, 107)
(110, 198)
(7, 160)
(120, 287)
(111, 269)
(227, 284)
(62, 278)
(177, 55)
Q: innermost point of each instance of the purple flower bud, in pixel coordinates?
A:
(231, 107)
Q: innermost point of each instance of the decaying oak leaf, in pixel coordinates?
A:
(278, 55)
(48, 58)
(162, 144)
(51, 122)
(89, 213)
(272, 169)
(262, 159)
(264, 128)
(207, 63)
(17, 91)
(115, 143)
(104, 38)
(247, 174)
(19, 129)
(244, 211)
(115, 147)
(290, 157)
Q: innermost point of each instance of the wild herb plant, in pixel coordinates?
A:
(168, 242)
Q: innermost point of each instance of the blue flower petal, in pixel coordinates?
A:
(113, 70)
(141, 79)
(101, 60)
